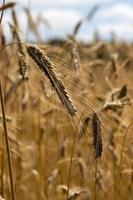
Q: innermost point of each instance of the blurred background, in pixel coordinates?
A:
(73, 53)
(57, 19)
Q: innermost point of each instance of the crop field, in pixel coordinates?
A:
(66, 116)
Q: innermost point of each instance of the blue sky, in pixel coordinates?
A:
(113, 16)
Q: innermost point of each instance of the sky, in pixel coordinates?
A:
(113, 16)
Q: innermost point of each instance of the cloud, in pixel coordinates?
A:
(117, 18)
(122, 31)
(121, 11)
(67, 2)
(62, 18)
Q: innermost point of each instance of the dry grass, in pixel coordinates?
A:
(85, 153)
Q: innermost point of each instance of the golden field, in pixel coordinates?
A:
(51, 148)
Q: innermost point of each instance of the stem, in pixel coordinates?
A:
(73, 146)
(70, 168)
(2, 174)
(7, 144)
(12, 44)
(95, 184)
(2, 11)
(107, 192)
(123, 144)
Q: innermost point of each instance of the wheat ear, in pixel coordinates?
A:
(47, 67)
(97, 138)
